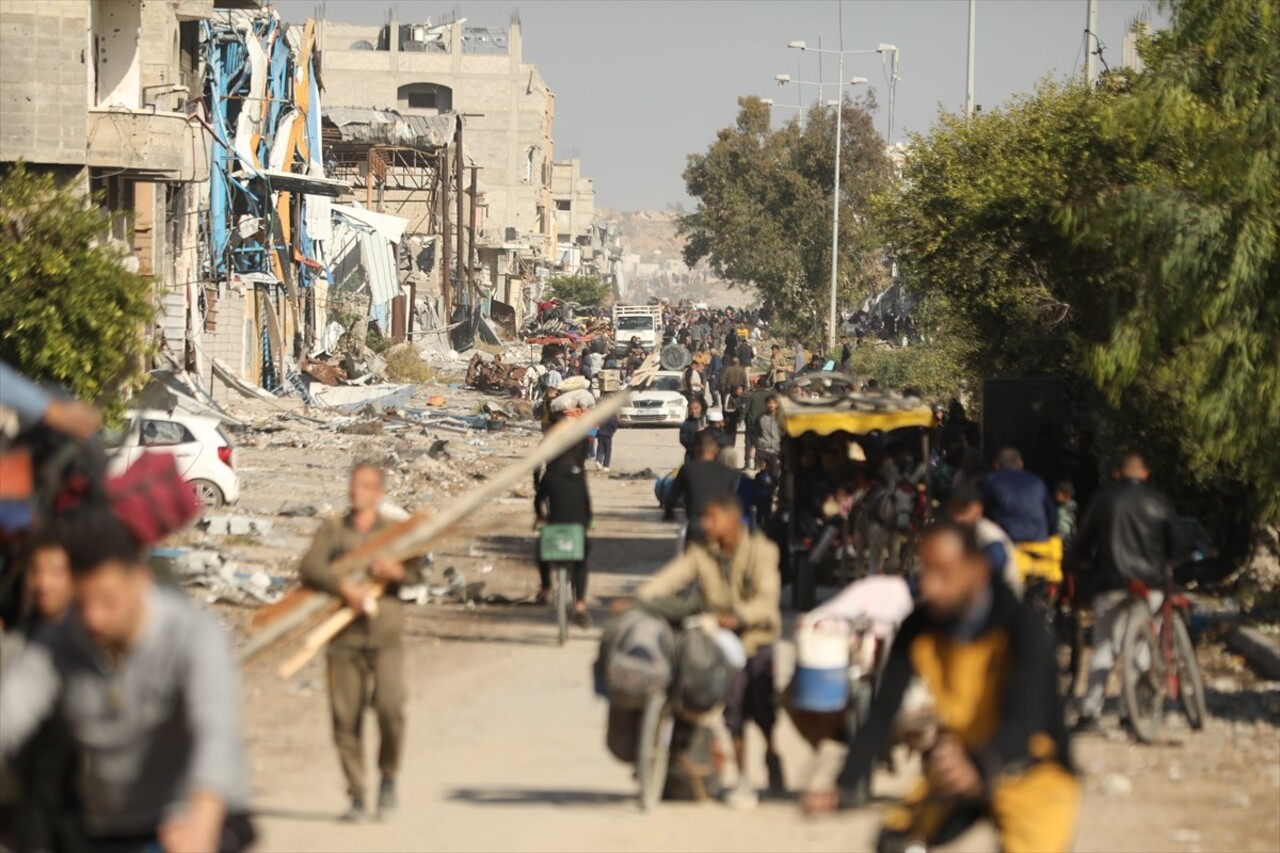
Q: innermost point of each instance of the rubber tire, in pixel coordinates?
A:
(656, 726)
(1190, 682)
(208, 493)
(562, 602)
(1140, 629)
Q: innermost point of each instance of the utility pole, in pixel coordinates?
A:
(1090, 42)
(835, 217)
(968, 80)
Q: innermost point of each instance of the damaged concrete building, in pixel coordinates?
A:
(103, 94)
(507, 110)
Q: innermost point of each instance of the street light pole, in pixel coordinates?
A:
(968, 80)
(835, 214)
(835, 201)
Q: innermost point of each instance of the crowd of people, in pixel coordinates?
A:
(120, 712)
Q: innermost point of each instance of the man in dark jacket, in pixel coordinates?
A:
(1018, 500)
(562, 498)
(693, 424)
(1130, 533)
(698, 482)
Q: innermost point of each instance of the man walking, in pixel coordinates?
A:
(698, 481)
(1130, 533)
(366, 660)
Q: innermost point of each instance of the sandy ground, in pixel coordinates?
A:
(506, 739)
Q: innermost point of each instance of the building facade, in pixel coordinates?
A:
(101, 93)
(418, 69)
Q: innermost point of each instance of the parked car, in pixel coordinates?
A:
(204, 451)
(658, 402)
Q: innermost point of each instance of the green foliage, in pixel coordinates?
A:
(1125, 238)
(1194, 242)
(582, 289)
(69, 312)
(764, 208)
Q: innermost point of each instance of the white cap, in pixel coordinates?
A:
(715, 415)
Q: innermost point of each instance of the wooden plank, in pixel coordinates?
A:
(410, 538)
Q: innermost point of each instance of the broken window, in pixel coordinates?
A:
(563, 204)
(425, 96)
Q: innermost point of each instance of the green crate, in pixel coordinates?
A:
(562, 543)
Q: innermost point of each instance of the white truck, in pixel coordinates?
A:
(637, 321)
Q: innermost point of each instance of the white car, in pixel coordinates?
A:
(203, 450)
(658, 402)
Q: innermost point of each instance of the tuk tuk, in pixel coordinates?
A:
(852, 485)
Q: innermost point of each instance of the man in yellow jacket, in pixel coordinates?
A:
(736, 572)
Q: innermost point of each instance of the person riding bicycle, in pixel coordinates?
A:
(562, 498)
(736, 572)
(1018, 500)
(1001, 748)
(1130, 533)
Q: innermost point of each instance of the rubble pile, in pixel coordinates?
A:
(498, 375)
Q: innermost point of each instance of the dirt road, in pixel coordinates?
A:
(506, 741)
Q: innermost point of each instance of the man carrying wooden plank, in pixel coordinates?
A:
(366, 659)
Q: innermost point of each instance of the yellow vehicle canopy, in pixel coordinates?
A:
(856, 414)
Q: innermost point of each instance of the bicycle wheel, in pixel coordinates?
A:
(1142, 670)
(1190, 684)
(562, 602)
(656, 728)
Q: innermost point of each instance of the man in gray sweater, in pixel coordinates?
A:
(149, 689)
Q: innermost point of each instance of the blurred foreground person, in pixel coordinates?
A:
(997, 746)
(47, 819)
(366, 660)
(149, 690)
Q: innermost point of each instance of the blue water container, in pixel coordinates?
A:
(821, 680)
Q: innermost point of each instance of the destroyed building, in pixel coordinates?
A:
(104, 95)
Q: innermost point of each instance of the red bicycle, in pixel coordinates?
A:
(1158, 661)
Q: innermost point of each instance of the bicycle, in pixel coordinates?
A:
(560, 545)
(1158, 661)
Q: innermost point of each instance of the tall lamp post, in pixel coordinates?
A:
(835, 201)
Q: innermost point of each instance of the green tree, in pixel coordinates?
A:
(70, 313)
(764, 208)
(583, 289)
(1193, 320)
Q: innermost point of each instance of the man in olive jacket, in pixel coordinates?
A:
(366, 660)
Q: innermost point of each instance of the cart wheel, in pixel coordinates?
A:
(656, 727)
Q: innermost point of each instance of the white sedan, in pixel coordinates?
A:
(658, 402)
(203, 450)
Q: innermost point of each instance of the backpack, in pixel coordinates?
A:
(634, 660)
(702, 673)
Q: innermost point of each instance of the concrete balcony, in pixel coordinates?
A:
(158, 145)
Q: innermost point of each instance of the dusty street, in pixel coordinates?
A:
(506, 740)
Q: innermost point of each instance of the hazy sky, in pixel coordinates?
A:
(640, 84)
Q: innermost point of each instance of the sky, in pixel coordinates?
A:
(641, 84)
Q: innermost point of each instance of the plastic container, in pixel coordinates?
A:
(821, 680)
